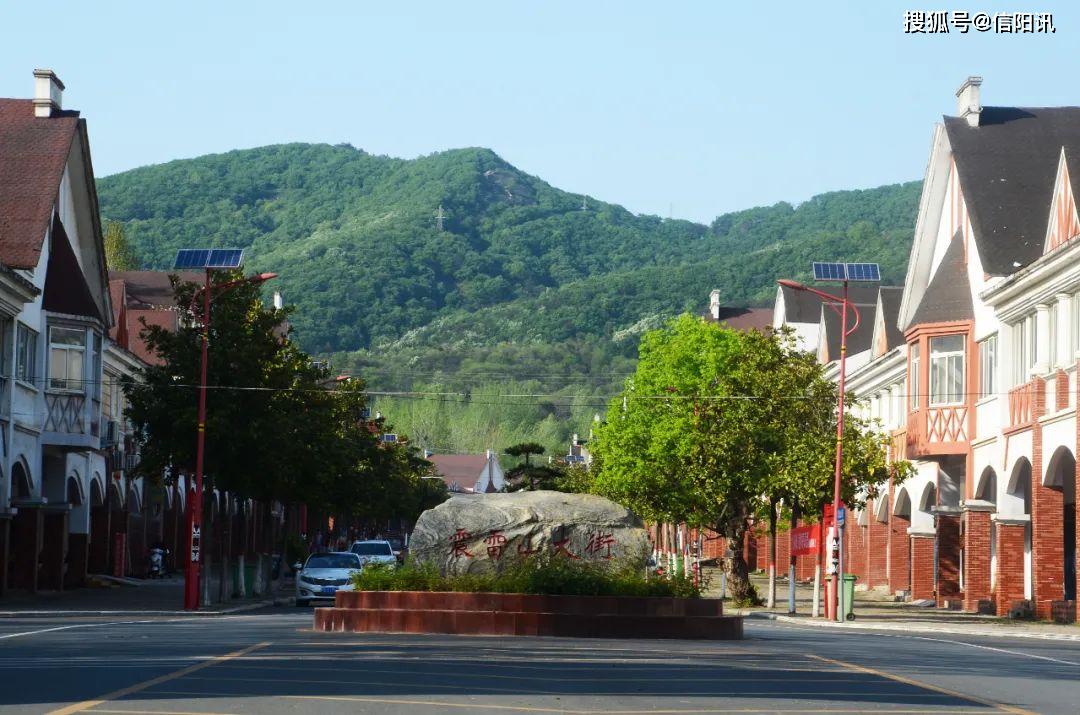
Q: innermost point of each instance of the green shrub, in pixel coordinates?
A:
(542, 576)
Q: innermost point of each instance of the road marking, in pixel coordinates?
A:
(927, 686)
(998, 650)
(157, 712)
(77, 625)
(566, 711)
(116, 694)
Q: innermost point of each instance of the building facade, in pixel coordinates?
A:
(971, 368)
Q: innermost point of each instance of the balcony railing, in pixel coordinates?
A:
(64, 412)
(1022, 405)
(947, 424)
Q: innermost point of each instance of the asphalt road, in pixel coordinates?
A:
(271, 662)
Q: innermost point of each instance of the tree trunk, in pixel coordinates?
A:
(738, 573)
(771, 602)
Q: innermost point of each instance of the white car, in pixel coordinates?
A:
(324, 575)
(374, 551)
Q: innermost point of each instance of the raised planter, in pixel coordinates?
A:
(528, 615)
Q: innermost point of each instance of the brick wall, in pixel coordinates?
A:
(922, 567)
(878, 552)
(899, 554)
(976, 558)
(948, 530)
(1009, 584)
(1047, 521)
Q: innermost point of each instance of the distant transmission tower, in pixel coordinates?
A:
(584, 203)
(439, 216)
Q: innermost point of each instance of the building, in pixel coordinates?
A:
(55, 313)
(469, 473)
(973, 371)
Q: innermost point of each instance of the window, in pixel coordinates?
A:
(913, 377)
(26, 354)
(108, 400)
(67, 348)
(1074, 334)
(5, 348)
(987, 366)
(1024, 355)
(947, 370)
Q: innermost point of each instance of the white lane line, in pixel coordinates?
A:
(65, 628)
(941, 640)
(997, 650)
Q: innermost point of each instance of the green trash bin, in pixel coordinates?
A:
(849, 596)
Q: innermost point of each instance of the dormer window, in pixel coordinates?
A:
(947, 370)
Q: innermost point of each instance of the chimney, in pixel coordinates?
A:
(278, 303)
(714, 304)
(48, 93)
(968, 104)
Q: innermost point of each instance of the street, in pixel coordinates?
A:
(269, 661)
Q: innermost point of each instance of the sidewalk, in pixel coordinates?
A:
(159, 597)
(877, 611)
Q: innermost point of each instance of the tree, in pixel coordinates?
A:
(714, 423)
(526, 474)
(119, 253)
(274, 430)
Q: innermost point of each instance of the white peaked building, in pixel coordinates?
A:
(56, 484)
(972, 368)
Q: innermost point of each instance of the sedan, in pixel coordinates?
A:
(374, 551)
(324, 575)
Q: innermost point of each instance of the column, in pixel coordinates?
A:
(1063, 355)
(922, 566)
(1009, 585)
(977, 555)
(899, 554)
(1042, 344)
(877, 573)
(26, 548)
(948, 529)
(54, 550)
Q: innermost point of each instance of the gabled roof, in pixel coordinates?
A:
(1007, 167)
(889, 304)
(744, 318)
(857, 342)
(459, 471)
(33, 154)
(151, 289)
(948, 297)
(801, 306)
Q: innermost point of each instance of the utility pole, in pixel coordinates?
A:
(439, 216)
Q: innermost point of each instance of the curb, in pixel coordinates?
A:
(909, 627)
(218, 612)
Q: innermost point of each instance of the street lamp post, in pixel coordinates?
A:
(844, 273)
(195, 501)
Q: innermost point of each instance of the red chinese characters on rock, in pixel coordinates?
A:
(496, 544)
(459, 543)
(560, 547)
(600, 541)
(525, 548)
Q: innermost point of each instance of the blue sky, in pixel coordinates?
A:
(687, 108)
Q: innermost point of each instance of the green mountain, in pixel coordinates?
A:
(521, 282)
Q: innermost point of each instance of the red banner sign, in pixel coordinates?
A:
(805, 540)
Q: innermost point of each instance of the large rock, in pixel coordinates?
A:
(481, 533)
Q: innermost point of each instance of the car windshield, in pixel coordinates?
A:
(395, 543)
(333, 561)
(372, 548)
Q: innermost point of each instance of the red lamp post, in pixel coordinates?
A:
(832, 605)
(195, 501)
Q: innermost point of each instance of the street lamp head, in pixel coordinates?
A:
(791, 284)
(263, 277)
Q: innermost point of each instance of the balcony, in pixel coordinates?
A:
(938, 430)
(68, 422)
(1022, 405)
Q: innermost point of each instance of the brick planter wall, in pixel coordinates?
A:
(528, 615)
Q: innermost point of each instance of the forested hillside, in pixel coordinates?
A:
(522, 282)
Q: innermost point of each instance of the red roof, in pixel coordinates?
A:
(745, 318)
(33, 154)
(139, 296)
(459, 471)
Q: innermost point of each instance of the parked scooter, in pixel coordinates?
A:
(157, 562)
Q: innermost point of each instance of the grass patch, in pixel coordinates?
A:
(560, 577)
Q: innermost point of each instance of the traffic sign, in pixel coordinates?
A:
(841, 514)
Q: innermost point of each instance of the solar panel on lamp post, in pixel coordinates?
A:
(207, 260)
(843, 273)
